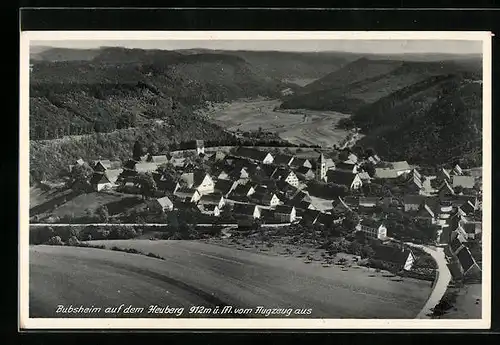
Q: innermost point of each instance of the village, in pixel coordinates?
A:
(252, 187)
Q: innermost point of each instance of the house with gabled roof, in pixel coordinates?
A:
(243, 190)
(286, 175)
(254, 155)
(444, 175)
(347, 166)
(200, 147)
(340, 206)
(309, 217)
(163, 204)
(268, 199)
(425, 214)
(469, 265)
(102, 165)
(216, 199)
(281, 159)
(285, 213)
(188, 194)
(100, 182)
(351, 181)
(457, 170)
(209, 209)
(413, 202)
(446, 190)
(368, 201)
(225, 187)
(301, 162)
(372, 228)
(352, 158)
(113, 175)
(168, 185)
(203, 182)
(400, 257)
(78, 162)
(247, 210)
(305, 173)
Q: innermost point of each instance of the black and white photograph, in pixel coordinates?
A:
(244, 179)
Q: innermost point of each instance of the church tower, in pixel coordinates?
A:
(321, 168)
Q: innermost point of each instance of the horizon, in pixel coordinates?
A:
(375, 47)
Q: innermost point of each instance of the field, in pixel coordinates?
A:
(297, 126)
(77, 207)
(196, 273)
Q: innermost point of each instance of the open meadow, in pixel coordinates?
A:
(298, 126)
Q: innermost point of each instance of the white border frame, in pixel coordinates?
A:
(25, 322)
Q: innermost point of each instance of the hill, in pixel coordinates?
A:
(102, 95)
(436, 121)
(365, 81)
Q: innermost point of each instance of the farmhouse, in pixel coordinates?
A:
(372, 228)
(162, 204)
(285, 214)
(214, 199)
(209, 209)
(351, 181)
(425, 214)
(457, 242)
(368, 201)
(283, 159)
(348, 167)
(113, 175)
(102, 165)
(339, 206)
(243, 189)
(254, 155)
(286, 175)
(168, 186)
(399, 258)
(412, 202)
(266, 199)
(467, 262)
(157, 159)
(305, 173)
(301, 162)
(203, 182)
(188, 194)
(100, 182)
(224, 187)
(247, 210)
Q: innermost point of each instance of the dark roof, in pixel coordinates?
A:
(392, 254)
(368, 199)
(263, 198)
(283, 209)
(456, 243)
(304, 170)
(250, 153)
(281, 173)
(244, 209)
(223, 186)
(414, 199)
(282, 159)
(198, 176)
(372, 223)
(211, 198)
(99, 178)
(298, 162)
(241, 189)
(324, 218)
(465, 258)
(344, 166)
(340, 177)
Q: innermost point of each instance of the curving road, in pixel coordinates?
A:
(443, 279)
(195, 273)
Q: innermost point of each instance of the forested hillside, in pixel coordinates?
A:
(82, 97)
(365, 81)
(435, 121)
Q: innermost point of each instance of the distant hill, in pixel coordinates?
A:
(365, 81)
(101, 95)
(436, 121)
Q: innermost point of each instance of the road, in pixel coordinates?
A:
(195, 273)
(441, 285)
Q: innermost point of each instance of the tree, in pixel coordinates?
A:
(138, 150)
(351, 221)
(103, 213)
(370, 152)
(153, 149)
(458, 189)
(343, 155)
(367, 252)
(81, 174)
(146, 183)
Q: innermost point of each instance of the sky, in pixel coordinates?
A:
(354, 46)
